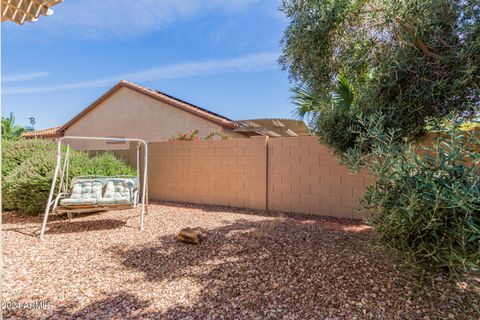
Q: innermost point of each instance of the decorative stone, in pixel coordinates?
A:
(192, 235)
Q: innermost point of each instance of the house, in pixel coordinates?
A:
(128, 110)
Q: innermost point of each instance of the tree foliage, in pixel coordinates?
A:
(10, 130)
(425, 202)
(372, 75)
(414, 61)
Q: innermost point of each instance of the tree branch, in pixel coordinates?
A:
(418, 41)
(443, 42)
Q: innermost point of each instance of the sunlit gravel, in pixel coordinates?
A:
(253, 265)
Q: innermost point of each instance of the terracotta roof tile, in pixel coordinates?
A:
(44, 133)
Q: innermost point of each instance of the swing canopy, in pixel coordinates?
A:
(96, 193)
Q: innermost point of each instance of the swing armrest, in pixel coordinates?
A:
(133, 195)
(55, 202)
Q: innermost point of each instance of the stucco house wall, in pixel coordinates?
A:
(129, 114)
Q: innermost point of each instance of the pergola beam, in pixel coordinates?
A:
(270, 128)
(21, 11)
(291, 133)
(272, 134)
(281, 127)
(278, 123)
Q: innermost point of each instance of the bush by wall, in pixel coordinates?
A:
(425, 203)
(28, 166)
(14, 153)
(192, 135)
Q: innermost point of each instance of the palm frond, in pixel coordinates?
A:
(307, 102)
(9, 129)
(343, 94)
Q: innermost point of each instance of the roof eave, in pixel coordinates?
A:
(155, 95)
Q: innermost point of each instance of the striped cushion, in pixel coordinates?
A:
(114, 200)
(84, 192)
(78, 202)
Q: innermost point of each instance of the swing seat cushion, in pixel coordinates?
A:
(117, 191)
(88, 192)
(84, 193)
(115, 200)
(78, 202)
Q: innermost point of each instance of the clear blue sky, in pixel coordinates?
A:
(219, 54)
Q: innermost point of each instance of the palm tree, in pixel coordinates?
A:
(10, 130)
(308, 102)
(343, 94)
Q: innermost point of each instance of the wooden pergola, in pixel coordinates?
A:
(21, 11)
(273, 127)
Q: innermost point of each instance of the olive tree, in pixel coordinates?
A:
(414, 61)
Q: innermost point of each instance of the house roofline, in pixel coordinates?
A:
(159, 96)
(43, 133)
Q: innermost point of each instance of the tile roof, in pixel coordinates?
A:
(44, 133)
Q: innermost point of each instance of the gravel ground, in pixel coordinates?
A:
(252, 266)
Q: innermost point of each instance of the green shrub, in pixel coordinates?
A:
(26, 188)
(28, 167)
(425, 203)
(15, 152)
(192, 135)
(333, 130)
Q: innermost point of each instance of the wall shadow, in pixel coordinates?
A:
(263, 213)
(272, 269)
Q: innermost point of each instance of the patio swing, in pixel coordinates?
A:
(96, 193)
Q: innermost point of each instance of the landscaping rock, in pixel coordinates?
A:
(254, 265)
(192, 235)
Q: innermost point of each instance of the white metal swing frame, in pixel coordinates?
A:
(62, 188)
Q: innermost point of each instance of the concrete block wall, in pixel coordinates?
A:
(304, 177)
(227, 172)
(294, 174)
